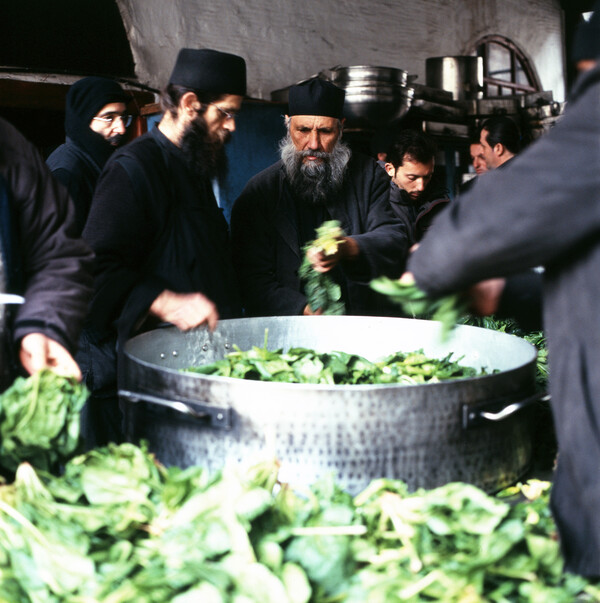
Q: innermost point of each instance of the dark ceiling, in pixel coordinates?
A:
(65, 36)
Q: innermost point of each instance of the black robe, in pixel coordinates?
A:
(78, 171)
(267, 240)
(418, 216)
(44, 259)
(153, 227)
(544, 210)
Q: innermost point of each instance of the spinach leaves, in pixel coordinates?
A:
(320, 289)
(119, 527)
(39, 420)
(301, 365)
(416, 303)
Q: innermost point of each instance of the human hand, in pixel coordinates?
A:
(39, 352)
(185, 310)
(407, 279)
(484, 297)
(347, 249)
(309, 312)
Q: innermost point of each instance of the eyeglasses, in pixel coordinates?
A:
(226, 114)
(111, 119)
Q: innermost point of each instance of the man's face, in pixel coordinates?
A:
(314, 133)
(412, 176)
(220, 117)
(492, 160)
(477, 158)
(108, 122)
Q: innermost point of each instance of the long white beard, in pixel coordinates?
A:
(314, 181)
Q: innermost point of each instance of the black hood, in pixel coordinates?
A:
(84, 99)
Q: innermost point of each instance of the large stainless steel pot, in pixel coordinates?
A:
(426, 435)
(375, 96)
(461, 75)
(362, 74)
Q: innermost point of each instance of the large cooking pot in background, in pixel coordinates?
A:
(362, 74)
(461, 75)
(427, 435)
(375, 96)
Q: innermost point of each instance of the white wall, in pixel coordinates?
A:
(284, 41)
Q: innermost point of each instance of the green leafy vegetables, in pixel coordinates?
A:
(117, 527)
(510, 326)
(416, 303)
(39, 420)
(301, 365)
(321, 291)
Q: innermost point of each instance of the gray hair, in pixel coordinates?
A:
(314, 182)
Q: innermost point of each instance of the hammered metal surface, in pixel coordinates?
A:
(408, 432)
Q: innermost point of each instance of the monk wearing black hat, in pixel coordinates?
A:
(318, 178)
(161, 241)
(95, 125)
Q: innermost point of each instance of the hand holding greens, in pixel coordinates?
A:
(39, 420)
(322, 293)
(416, 303)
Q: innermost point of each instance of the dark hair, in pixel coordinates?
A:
(413, 145)
(171, 95)
(502, 129)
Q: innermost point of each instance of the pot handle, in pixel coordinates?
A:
(210, 415)
(478, 414)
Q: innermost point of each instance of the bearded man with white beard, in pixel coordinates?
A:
(160, 239)
(318, 178)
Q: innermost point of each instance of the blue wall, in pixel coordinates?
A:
(253, 147)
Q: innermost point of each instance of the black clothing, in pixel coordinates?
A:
(268, 247)
(154, 227)
(210, 71)
(534, 213)
(44, 259)
(78, 162)
(78, 172)
(418, 216)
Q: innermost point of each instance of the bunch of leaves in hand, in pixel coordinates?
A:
(39, 420)
(321, 291)
(415, 302)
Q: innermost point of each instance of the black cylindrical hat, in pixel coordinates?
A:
(316, 97)
(210, 71)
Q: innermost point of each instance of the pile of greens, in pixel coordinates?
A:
(510, 326)
(117, 527)
(39, 421)
(322, 293)
(415, 302)
(301, 365)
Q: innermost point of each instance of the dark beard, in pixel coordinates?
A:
(314, 182)
(116, 140)
(206, 158)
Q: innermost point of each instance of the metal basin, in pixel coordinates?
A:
(360, 74)
(377, 105)
(426, 435)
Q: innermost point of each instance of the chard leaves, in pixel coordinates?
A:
(39, 420)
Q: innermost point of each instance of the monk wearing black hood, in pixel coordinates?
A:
(95, 125)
